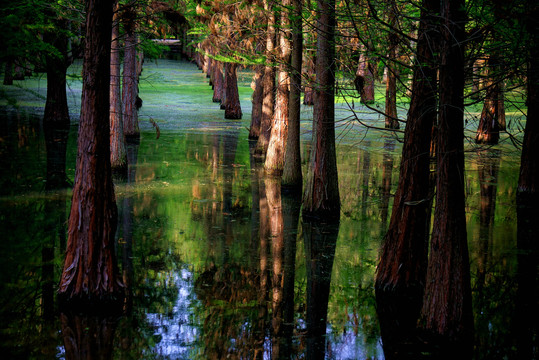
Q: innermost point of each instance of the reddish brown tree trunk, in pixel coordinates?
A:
(308, 96)
(258, 95)
(268, 102)
(447, 305)
(130, 86)
(292, 176)
(232, 106)
(321, 195)
(392, 121)
(488, 131)
(118, 152)
(279, 130)
(218, 81)
(364, 81)
(90, 275)
(400, 277)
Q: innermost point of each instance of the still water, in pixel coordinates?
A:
(220, 262)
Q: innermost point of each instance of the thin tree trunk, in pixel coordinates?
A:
(118, 152)
(447, 305)
(268, 102)
(392, 121)
(90, 276)
(364, 81)
(321, 195)
(279, 130)
(232, 106)
(130, 86)
(488, 131)
(258, 93)
(292, 176)
(400, 277)
(218, 81)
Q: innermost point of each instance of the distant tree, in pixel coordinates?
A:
(447, 307)
(130, 77)
(90, 276)
(321, 193)
(118, 152)
(232, 106)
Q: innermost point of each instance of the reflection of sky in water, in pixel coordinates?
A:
(177, 333)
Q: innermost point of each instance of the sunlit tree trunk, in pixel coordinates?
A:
(321, 194)
(268, 102)
(488, 131)
(258, 92)
(233, 106)
(292, 176)
(218, 81)
(130, 86)
(90, 276)
(118, 153)
(400, 277)
(447, 304)
(279, 130)
(364, 81)
(308, 96)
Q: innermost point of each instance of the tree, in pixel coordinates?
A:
(321, 194)
(275, 154)
(130, 83)
(400, 276)
(447, 307)
(90, 276)
(488, 131)
(118, 152)
(232, 105)
(292, 176)
(392, 121)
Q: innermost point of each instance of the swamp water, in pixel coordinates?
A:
(199, 240)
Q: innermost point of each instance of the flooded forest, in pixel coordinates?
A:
(303, 179)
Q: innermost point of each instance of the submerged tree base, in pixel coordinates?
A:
(112, 304)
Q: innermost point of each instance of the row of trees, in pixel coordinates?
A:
(433, 50)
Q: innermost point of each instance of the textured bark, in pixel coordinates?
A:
(400, 277)
(279, 130)
(391, 84)
(488, 130)
(256, 113)
(218, 81)
(292, 177)
(90, 276)
(447, 306)
(87, 337)
(233, 106)
(308, 97)
(268, 102)
(321, 195)
(118, 152)
(364, 80)
(130, 86)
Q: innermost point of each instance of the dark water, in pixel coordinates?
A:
(221, 263)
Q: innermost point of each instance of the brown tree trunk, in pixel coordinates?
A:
(88, 337)
(392, 121)
(364, 81)
(488, 131)
(130, 86)
(233, 106)
(268, 102)
(292, 176)
(447, 305)
(400, 277)
(218, 81)
(279, 130)
(118, 152)
(258, 92)
(90, 276)
(308, 96)
(321, 195)
(8, 71)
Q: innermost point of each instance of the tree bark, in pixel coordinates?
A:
(130, 86)
(232, 106)
(258, 92)
(321, 195)
(488, 131)
(400, 277)
(90, 276)
(279, 130)
(392, 121)
(447, 305)
(218, 81)
(364, 81)
(118, 152)
(292, 176)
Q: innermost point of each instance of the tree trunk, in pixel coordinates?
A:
(268, 102)
(392, 121)
(90, 276)
(279, 130)
(400, 277)
(8, 71)
(292, 176)
(488, 131)
(233, 106)
(447, 305)
(118, 152)
(308, 96)
(321, 195)
(364, 81)
(218, 81)
(258, 95)
(130, 86)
